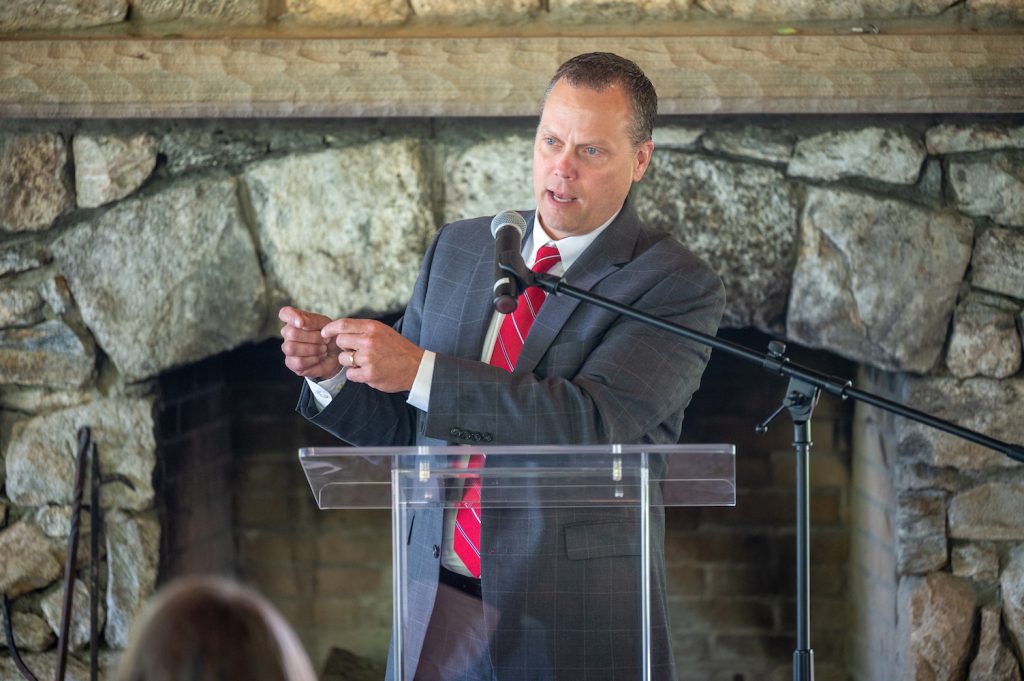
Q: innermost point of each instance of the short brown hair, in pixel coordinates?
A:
(212, 629)
(599, 70)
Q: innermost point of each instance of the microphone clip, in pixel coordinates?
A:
(512, 263)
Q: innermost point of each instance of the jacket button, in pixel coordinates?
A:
(455, 432)
(477, 437)
(488, 437)
(437, 551)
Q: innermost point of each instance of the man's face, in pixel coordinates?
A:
(583, 160)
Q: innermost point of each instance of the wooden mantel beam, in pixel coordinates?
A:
(504, 76)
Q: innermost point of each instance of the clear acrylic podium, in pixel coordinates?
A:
(572, 546)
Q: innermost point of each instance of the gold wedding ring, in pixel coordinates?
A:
(352, 360)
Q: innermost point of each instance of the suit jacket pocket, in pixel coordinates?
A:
(602, 539)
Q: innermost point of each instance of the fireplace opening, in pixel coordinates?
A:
(233, 500)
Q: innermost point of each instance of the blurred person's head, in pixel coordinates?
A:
(212, 629)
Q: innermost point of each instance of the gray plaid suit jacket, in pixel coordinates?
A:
(584, 376)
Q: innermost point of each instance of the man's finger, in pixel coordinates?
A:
(345, 325)
(350, 341)
(301, 365)
(299, 349)
(290, 333)
(302, 319)
(290, 316)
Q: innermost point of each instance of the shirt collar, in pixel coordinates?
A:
(570, 247)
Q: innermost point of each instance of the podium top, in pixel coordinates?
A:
(523, 476)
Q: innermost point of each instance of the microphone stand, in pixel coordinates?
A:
(805, 386)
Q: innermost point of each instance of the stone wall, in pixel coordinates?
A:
(130, 250)
(160, 15)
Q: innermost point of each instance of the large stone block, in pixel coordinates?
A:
(990, 511)
(488, 177)
(994, 660)
(930, 184)
(29, 562)
(78, 628)
(33, 15)
(346, 13)
(167, 279)
(108, 167)
(203, 146)
(606, 11)
(997, 261)
(985, 340)
(55, 521)
(740, 218)
(234, 12)
(22, 257)
(133, 555)
(31, 632)
(977, 561)
(992, 187)
(857, 288)
(35, 400)
(753, 142)
(329, 244)
(678, 137)
(950, 138)
(468, 11)
(47, 354)
(1002, 10)
(795, 10)
(986, 405)
(936, 627)
(35, 183)
(20, 307)
(1011, 584)
(921, 532)
(883, 154)
(40, 454)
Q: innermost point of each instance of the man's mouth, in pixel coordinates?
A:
(561, 198)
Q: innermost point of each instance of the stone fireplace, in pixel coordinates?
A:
(893, 243)
(142, 262)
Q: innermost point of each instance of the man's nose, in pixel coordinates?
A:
(565, 166)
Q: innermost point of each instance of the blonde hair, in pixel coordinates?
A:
(212, 629)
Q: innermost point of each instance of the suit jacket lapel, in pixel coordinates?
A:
(478, 308)
(612, 249)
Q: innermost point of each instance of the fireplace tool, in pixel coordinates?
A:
(86, 450)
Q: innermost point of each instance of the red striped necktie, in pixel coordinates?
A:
(511, 336)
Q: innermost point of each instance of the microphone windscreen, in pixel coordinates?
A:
(508, 217)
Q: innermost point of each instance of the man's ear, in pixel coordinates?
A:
(642, 159)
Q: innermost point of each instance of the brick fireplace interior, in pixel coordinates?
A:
(233, 499)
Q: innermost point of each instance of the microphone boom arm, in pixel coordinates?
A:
(772, 363)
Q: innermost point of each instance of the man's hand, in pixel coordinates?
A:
(306, 351)
(374, 353)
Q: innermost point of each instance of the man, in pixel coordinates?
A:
(582, 375)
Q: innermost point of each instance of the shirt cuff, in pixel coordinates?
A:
(326, 390)
(419, 395)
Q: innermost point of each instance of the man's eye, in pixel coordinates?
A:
(549, 140)
(591, 151)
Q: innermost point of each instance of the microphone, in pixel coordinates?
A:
(507, 228)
